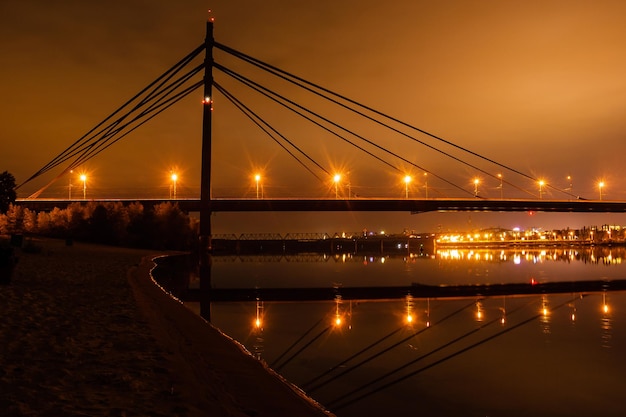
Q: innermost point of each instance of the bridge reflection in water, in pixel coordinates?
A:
(371, 348)
(188, 286)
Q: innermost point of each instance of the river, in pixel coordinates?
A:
(535, 354)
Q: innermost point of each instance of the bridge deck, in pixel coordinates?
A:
(398, 205)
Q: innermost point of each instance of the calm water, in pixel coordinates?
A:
(550, 355)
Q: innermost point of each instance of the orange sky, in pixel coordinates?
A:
(537, 86)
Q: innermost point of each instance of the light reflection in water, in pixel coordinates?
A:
(374, 317)
(572, 308)
(596, 255)
(409, 309)
(516, 357)
(257, 331)
(479, 311)
(606, 325)
(544, 319)
(338, 320)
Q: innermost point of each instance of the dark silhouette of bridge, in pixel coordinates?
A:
(420, 205)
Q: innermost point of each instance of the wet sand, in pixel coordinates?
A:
(84, 331)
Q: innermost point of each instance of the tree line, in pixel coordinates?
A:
(163, 226)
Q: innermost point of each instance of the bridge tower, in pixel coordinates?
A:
(205, 181)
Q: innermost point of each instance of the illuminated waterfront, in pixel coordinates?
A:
(556, 354)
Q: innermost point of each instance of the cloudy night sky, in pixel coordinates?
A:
(538, 87)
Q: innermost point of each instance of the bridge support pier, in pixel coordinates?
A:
(207, 109)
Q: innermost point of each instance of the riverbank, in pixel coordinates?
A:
(85, 331)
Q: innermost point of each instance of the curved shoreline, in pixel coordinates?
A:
(210, 364)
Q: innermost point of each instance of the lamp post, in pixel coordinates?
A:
(426, 184)
(83, 178)
(69, 187)
(600, 186)
(541, 183)
(174, 178)
(407, 180)
(501, 187)
(336, 179)
(257, 178)
(476, 181)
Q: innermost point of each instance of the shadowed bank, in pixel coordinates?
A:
(86, 331)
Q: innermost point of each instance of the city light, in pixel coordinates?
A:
(541, 184)
(426, 184)
(501, 187)
(476, 182)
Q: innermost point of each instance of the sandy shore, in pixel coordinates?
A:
(85, 332)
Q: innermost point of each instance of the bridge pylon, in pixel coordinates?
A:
(205, 181)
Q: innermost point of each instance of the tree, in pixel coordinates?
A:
(7, 191)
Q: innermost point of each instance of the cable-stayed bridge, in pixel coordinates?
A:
(373, 143)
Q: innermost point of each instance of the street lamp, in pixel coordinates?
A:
(336, 179)
(257, 178)
(426, 184)
(541, 184)
(407, 180)
(174, 178)
(501, 187)
(476, 181)
(83, 178)
(600, 186)
(69, 188)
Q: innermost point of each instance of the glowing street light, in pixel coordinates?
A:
(501, 187)
(83, 178)
(257, 178)
(600, 186)
(336, 180)
(541, 184)
(407, 180)
(476, 182)
(174, 178)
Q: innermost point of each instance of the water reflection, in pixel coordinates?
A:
(596, 255)
(605, 255)
(606, 323)
(458, 355)
(544, 317)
